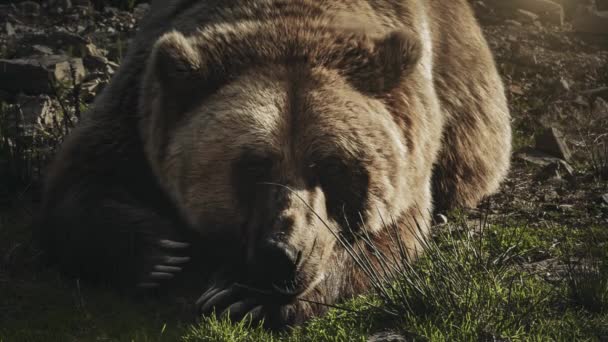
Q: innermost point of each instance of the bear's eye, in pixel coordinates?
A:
(255, 168)
(333, 167)
(346, 186)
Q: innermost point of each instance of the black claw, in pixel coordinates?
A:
(161, 275)
(218, 301)
(238, 310)
(256, 314)
(205, 296)
(170, 244)
(175, 260)
(167, 269)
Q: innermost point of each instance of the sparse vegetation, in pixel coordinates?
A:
(466, 287)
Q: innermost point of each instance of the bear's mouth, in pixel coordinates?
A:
(283, 293)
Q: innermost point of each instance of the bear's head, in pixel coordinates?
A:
(281, 139)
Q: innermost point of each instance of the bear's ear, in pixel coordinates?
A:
(394, 56)
(176, 61)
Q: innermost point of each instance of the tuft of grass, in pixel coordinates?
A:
(586, 260)
(221, 329)
(599, 160)
(459, 290)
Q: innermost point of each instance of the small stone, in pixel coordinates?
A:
(95, 63)
(597, 92)
(34, 75)
(10, 30)
(59, 6)
(30, 8)
(600, 108)
(550, 196)
(527, 16)
(579, 100)
(552, 141)
(536, 157)
(141, 10)
(91, 89)
(526, 58)
(93, 50)
(547, 10)
(556, 170)
(41, 49)
(516, 89)
(513, 22)
(31, 113)
(565, 85)
(61, 41)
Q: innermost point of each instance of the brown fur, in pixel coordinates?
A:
(393, 104)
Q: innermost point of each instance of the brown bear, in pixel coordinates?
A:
(254, 136)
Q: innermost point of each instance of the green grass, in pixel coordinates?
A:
(467, 287)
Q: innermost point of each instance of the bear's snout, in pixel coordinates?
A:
(276, 262)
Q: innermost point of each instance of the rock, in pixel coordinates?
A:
(556, 170)
(388, 336)
(526, 58)
(64, 42)
(527, 16)
(600, 108)
(516, 89)
(59, 6)
(597, 92)
(513, 22)
(548, 11)
(95, 58)
(564, 84)
(550, 196)
(33, 75)
(552, 141)
(141, 10)
(29, 8)
(93, 50)
(31, 114)
(536, 157)
(589, 20)
(95, 63)
(90, 89)
(33, 50)
(581, 101)
(10, 29)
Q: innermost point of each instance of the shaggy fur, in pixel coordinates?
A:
(234, 122)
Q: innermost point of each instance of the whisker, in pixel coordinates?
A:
(333, 306)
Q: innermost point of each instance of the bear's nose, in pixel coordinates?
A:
(278, 261)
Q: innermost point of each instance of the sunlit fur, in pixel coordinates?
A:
(405, 90)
